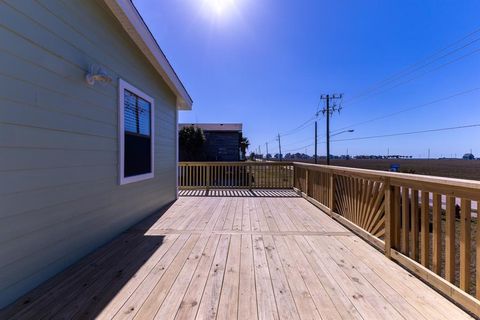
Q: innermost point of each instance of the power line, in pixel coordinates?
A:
(399, 75)
(304, 124)
(299, 148)
(409, 133)
(303, 140)
(394, 135)
(383, 117)
(418, 65)
(300, 127)
(409, 109)
(422, 74)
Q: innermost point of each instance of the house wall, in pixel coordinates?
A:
(222, 145)
(59, 192)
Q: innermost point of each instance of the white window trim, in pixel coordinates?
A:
(122, 86)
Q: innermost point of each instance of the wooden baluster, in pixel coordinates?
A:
(355, 200)
(279, 175)
(275, 176)
(397, 217)
(425, 225)
(295, 175)
(195, 176)
(450, 240)
(207, 182)
(349, 197)
(405, 221)
(320, 187)
(186, 176)
(437, 232)
(331, 200)
(465, 244)
(388, 218)
(224, 176)
(179, 177)
(364, 205)
(477, 257)
(414, 223)
(244, 176)
(306, 181)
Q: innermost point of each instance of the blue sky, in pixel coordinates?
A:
(265, 64)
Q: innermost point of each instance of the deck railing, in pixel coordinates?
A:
(248, 175)
(427, 224)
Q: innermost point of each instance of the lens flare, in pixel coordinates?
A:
(219, 7)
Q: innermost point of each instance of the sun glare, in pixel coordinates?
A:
(219, 7)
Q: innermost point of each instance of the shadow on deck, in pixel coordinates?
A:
(267, 193)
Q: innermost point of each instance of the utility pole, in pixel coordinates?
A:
(316, 155)
(328, 111)
(279, 147)
(266, 146)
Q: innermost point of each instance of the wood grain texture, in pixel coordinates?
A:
(236, 258)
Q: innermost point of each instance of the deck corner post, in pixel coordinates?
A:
(331, 194)
(389, 234)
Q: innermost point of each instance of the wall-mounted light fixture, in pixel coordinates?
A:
(97, 74)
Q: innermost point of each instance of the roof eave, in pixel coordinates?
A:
(132, 22)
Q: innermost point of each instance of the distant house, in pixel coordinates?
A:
(468, 156)
(222, 140)
(88, 143)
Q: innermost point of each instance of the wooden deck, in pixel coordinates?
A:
(244, 256)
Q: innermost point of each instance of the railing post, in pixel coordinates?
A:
(389, 232)
(331, 195)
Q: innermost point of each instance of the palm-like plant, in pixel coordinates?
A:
(244, 144)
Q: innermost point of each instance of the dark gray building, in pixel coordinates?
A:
(223, 140)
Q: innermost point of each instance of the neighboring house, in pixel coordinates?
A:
(222, 140)
(468, 156)
(80, 162)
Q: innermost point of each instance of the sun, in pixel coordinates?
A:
(219, 7)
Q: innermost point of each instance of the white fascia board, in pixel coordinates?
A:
(132, 22)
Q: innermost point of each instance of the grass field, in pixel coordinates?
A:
(455, 168)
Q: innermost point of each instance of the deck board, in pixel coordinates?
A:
(254, 256)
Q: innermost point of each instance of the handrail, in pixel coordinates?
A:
(457, 187)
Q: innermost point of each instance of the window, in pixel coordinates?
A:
(136, 134)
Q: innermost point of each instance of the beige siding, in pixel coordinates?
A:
(59, 192)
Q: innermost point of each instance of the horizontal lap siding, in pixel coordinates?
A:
(59, 192)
